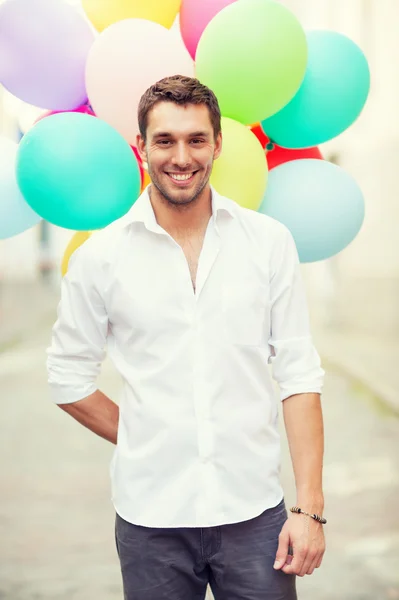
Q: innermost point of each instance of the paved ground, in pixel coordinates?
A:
(370, 359)
(56, 518)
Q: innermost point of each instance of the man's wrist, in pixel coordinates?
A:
(312, 502)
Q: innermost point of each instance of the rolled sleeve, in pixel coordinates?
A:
(79, 335)
(296, 364)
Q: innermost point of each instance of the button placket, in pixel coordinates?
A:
(204, 432)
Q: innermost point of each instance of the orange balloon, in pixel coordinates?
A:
(146, 181)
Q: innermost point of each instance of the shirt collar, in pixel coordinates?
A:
(142, 211)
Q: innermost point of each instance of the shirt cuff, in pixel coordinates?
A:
(305, 389)
(297, 367)
(63, 394)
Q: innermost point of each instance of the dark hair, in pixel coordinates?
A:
(180, 90)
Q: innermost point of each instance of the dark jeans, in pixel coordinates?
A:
(178, 563)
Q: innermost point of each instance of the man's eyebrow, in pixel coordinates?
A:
(164, 134)
(199, 134)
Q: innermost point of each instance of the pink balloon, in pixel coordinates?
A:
(195, 16)
(126, 59)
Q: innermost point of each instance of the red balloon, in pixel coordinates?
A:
(276, 155)
(140, 163)
(260, 134)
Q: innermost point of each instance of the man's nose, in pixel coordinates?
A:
(181, 156)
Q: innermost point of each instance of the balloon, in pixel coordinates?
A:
(260, 134)
(276, 155)
(320, 204)
(77, 240)
(146, 181)
(126, 59)
(240, 173)
(77, 171)
(140, 164)
(253, 55)
(331, 97)
(46, 44)
(105, 12)
(195, 16)
(15, 214)
(85, 109)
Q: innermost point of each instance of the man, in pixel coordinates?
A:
(194, 295)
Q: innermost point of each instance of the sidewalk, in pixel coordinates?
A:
(57, 516)
(368, 360)
(24, 308)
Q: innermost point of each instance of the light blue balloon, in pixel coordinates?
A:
(331, 97)
(16, 215)
(319, 202)
(77, 171)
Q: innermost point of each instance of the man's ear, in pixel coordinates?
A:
(218, 146)
(142, 150)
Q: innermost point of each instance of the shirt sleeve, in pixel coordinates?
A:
(296, 365)
(79, 335)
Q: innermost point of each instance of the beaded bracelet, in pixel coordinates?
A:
(296, 509)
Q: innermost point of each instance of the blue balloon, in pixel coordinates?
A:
(319, 202)
(16, 215)
(77, 171)
(331, 97)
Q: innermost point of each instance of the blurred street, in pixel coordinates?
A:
(56, 517)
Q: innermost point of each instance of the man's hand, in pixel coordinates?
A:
(306, 536)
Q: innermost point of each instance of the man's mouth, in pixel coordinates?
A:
(182, 178)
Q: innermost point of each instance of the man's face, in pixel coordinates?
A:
(180, 150)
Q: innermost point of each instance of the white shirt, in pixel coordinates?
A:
(198, 442)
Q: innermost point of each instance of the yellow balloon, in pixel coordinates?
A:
(77, 240)
(240, 172)
(105, 12)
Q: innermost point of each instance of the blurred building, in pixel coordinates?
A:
(359, 288)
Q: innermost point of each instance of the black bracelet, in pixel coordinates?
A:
(296, 509)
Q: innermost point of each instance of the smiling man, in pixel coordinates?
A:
(194, 296)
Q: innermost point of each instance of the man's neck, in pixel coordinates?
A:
(182, 219)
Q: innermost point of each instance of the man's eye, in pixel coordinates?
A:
(163, 142)
(197, 141)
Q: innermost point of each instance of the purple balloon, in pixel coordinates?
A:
(43, 51)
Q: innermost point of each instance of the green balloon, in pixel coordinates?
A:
(253, 55)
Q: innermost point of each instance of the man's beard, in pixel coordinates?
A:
(170, 199)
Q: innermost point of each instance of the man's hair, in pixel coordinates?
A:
(180, 90)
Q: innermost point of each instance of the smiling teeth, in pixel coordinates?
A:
(181, 177)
